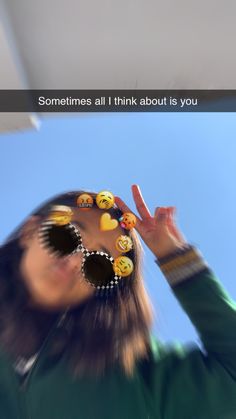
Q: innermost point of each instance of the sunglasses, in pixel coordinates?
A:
(65, 240)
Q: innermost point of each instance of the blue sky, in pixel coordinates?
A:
(185, 160)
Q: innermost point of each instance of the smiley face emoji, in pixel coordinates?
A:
(128, 220)
(84, 202)
(124, 244)
(61, 214)
(105, 200)
(123, 266)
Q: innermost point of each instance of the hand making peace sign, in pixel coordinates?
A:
(159, 232)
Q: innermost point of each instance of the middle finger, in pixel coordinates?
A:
(140, 203)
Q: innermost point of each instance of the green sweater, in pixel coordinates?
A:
(177, 382)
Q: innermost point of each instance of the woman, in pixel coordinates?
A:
(71, 348)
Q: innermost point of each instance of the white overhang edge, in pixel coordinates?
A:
(12, 76)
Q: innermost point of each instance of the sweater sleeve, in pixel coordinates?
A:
(206, 302)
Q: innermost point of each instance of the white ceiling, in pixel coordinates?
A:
(126, 44)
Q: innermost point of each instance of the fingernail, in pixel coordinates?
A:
(169, 213)
(173, 211)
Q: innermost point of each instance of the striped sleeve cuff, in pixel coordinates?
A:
(182, 265)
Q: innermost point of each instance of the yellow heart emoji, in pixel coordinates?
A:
(106, 222)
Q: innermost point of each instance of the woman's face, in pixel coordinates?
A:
(58, 282)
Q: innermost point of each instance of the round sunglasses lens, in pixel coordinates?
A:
(61, 239)
(98, 270)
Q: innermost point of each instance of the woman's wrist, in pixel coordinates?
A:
(182, 265)
(171, 249)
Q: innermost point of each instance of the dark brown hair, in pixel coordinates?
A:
(103, 330)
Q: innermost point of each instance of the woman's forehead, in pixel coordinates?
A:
(91, 220)
(89, 224)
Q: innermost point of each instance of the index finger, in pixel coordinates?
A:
(140, 203)
(124, 208)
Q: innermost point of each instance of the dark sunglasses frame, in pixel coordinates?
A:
(43, 234)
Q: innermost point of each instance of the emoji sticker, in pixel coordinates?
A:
(107, 223)
(105, 200)
(85, 202)
(128, 220)
(123, 266)
(124, 244)
(61, 214)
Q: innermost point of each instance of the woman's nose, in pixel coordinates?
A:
(72, 262)
(89, 243)
(75, 258)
